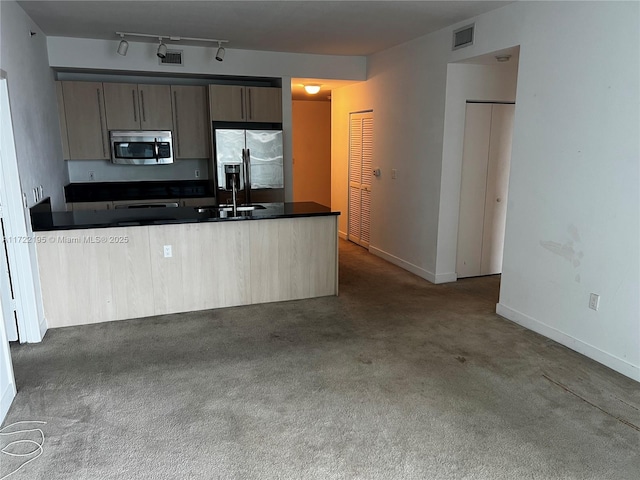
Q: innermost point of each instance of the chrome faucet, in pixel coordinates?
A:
(232, 174)
(235, 195)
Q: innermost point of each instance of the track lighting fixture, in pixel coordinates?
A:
(162, 49)
(123, 46)
(220, 52)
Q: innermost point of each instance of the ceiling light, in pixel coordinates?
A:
(162, 49)
(123, 46)
(312, 89)
(220, 52)
(503, 58)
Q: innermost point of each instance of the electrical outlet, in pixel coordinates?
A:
(197, 173)
(92, 176)
(594, 301)
(394, 173)
(168, 253)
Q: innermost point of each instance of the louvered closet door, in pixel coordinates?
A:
(360, 170)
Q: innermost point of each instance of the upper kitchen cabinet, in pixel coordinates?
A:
(138, 107)
(232, 103)
(83, 122)
(190, 121)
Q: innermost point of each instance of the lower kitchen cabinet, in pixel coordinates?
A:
(198, 202)
(78, 206)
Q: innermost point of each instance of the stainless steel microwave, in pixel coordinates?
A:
(141, 147)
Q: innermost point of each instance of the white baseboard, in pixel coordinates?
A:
(342, 235)
(43, 327)
(5, 401)
(416, 270)
(611, 361)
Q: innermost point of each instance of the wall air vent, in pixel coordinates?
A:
(173, 57)
(463, 37)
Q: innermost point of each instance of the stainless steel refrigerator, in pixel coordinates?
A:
(257, 148)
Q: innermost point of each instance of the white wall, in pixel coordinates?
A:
(574, 170)
(33, 104)
(464, 82)
(92, 54)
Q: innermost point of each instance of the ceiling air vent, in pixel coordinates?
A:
(173, 57)
(463, 37)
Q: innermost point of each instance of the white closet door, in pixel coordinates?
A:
(484, 187)
(360, 170)
(495, 207)
(475, 155)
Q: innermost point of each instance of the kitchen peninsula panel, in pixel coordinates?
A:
(94, 275)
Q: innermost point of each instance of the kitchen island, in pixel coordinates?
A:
(105, 265)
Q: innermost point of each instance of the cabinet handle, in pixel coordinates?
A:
(249, 103)
(175, 113)
(104, 151)
(242, 104)
(144, 112)
(133, 98)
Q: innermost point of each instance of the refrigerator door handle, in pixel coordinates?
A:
(246, 156)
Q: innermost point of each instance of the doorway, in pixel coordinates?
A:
(484, 188)
(360, 172)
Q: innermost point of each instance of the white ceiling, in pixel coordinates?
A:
(320, 27)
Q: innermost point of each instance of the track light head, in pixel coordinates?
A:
(123, 47)
(220, 52)
(162, 49)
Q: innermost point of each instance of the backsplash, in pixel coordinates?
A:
(104, 171)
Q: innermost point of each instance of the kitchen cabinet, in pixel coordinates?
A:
(198, 202)
(190, 121)
(484, 188)
(83, 121)
(138, 107)
(78, 206)
(233, 103)
(111, 204)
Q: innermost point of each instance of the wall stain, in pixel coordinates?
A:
(567, 250)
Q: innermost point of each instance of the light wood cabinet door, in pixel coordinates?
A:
(190, 121)
(232, 103)
(85, 120)
(155, 107)
(121, 106)
(264, 104)
(227, 103)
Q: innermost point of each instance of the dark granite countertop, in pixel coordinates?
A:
(48, 221)
(108, 191)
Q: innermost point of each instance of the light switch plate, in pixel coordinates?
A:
(168, 253)
(594, 301)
